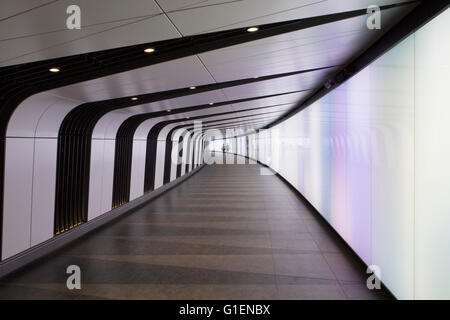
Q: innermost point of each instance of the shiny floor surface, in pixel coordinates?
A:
(228, 232)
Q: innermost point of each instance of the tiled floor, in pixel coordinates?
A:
(226, 233)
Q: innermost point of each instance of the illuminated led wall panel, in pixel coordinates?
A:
(373, 158)
(432, 159)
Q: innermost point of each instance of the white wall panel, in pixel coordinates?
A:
(354, 110)
(51, 120)
(186, 151)
(174, 156)
(24, 120)
(432, 159)
(138, 169)
(96, 178)
(107, 126)
(17, 196)
(144, 128)
(108, 175)
(40, 115)
(198, 151)
(44, 179)
(159, 167)
(191, 152)
(392, 153)
(176, 147)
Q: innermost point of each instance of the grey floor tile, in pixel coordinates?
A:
(226, 233)
(310, 265)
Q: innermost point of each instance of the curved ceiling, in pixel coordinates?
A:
(265, 63)
(36, 30)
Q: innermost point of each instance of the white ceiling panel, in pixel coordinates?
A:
(326, 45)
(30, 32)
(17, 7)
(286, 84)
(305, 49)
(186, 5)
(186, 101)
(274, 110)
(291, 98)
(169, 75)
(174, 74)
(235, 14)
(205, 98)
(127, 112)
(253, 116)
(35, 30)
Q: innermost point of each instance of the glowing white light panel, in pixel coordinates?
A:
(373, 158)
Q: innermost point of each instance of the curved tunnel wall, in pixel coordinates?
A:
(32, 162)
(32, 114)
(371, 157)
(54, 155)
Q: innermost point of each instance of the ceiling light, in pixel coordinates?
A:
(187, 117)
(211, 103)
(54, 69)
(168, 110)
(192, 88)
(252, 29)
(134, 98)
(149, 50)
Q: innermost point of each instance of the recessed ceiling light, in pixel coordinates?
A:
(252, 29)
(211, 103)
(134, 98)
(54, 69)
(149, 50)
(168, 110)
(192, 87)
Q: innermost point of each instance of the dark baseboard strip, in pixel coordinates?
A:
(31, 255)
